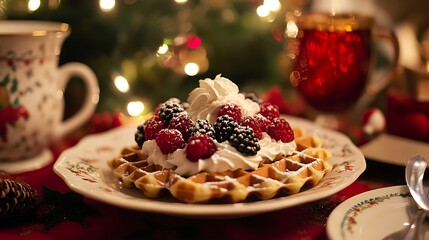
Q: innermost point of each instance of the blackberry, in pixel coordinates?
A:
(168, 109)
(244, 140)
(224, 127)
(204, 127)
(139, 136)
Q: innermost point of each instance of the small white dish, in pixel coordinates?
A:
(375, 214)
(392, 149)
(84, 169)
(29, 164)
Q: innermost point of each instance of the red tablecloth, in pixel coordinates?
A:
(307, 221)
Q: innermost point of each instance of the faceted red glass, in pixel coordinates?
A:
(332, 67)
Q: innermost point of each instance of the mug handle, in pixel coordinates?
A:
(377, 85)
(387, 34)
(75, 69)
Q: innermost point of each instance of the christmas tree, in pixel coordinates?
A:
(153, 49)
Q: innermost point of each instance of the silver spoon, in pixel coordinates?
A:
(414, 173)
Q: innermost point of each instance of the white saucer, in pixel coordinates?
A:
(375, 214)
(29, 164)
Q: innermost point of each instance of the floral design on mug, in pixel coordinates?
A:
(10, 109)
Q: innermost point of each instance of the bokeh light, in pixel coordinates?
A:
(107, 5)
(263, 11)
(193, 42)
(269, 10)
(33, 5)
(121, 84)
(291, 29)
(135, 108)
(272, 5)
(163, 49)
(191, 69)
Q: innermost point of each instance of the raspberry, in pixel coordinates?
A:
(263, 122)
(117, 120)
(200, 146)
(224, 126)
(152, 127)
(203, 126)
(104, 121)
(231, 110)
(169, 140)
(139, 136)
(183, 123)
(269, 111)
(168, 109)
(275, 97)
(280, 130)
(254, 124)
(244, 140)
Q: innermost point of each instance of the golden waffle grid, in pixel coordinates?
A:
(286, 176)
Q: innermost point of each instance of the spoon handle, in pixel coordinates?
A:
(415, 228)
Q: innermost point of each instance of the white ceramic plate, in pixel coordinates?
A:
(84, 169)
(375, 214)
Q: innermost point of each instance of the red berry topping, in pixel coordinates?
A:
(231, 110)
(183, 123)
(280, 130)
(152, 127)
(263, 122)
(200, 146)
(275, 97)
(269, 110)
(253, 123)
(169, 140)
(117, 119)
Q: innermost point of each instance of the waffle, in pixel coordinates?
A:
(285, 176)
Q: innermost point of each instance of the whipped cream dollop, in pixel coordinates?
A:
(205, 101)
(154, 154)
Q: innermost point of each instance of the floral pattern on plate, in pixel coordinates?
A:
(84, 169)
(359, 216)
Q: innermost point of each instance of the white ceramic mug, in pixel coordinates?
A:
(31, 88)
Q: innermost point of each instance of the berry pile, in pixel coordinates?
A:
(172, 128)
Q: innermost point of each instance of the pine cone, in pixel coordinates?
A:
(16, 198)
